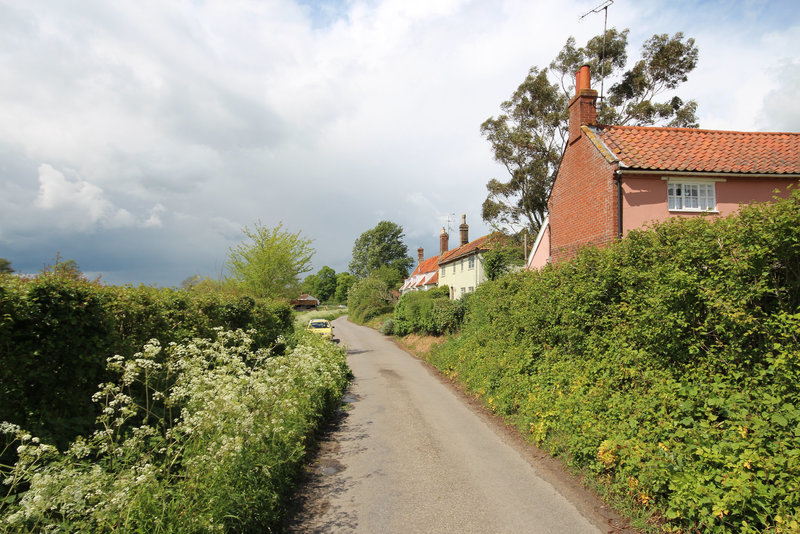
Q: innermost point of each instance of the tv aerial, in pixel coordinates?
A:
(604, 8)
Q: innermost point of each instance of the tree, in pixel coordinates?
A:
(344, 281)
(270, 263)
(527, 139)
(321, 285)
(5, 266)
(504, 254)
(390, 276)
(326, 284)
(381, 246)
(530, 135)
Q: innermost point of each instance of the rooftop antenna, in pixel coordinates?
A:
(604, 7)
(449, 220)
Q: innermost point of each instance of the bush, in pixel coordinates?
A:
(216, 446)
(387, 328)
(429, 312)
(668, 365)
(369, 298)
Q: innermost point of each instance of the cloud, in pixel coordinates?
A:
(168, 126)
(75, 204)
(780, 111)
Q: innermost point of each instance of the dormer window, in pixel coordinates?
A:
(691, 196)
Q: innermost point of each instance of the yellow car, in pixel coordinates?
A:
(322, 327)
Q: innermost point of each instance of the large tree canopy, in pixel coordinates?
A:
(270, 262)
(381, 246)
(530, 135)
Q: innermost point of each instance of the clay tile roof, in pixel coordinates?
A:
(690, 149)
(434, 279)
(427, 266)
(463, 250)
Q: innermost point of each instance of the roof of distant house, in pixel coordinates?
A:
(696, 150)
(426, 266)
(464, 250)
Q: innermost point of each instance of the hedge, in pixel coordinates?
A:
(667, 365)
(56, 332)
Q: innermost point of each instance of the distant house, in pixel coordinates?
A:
(305, 302)
(613, 179)
(462, 268)
(426, 274)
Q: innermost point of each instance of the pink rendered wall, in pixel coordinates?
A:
(644, 199)
(542, 253)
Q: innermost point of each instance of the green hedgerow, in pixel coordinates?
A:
(668, 365)
(201, 436)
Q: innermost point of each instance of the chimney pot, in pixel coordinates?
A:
(444, 242)
(421, 254)
(464, 230)
(583, 79)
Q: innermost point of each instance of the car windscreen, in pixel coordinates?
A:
(319, 325)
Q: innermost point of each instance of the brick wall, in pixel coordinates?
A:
(583, 203)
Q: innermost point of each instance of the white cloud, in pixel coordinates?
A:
(75, 204)
(323, 117)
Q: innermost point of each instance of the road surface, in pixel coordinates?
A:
(409, 454)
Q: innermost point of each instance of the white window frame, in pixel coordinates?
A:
(702, 197)
(471, 264)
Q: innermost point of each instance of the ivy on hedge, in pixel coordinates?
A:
(668, 365)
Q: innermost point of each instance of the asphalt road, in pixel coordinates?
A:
(409, 454)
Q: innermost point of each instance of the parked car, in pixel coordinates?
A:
(322, 327)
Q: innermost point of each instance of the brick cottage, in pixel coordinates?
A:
(613, 179)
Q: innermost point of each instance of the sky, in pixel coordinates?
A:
(139, 137)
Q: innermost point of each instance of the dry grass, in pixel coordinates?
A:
(421, 345)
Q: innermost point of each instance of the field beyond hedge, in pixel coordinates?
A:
(666, 366)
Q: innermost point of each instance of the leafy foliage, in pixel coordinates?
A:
(5, 266)
(668, 365)
(527, 139)
(269, 265)
(202, 436)
(429, 312)
(57, 330)
(321, 285)
(378, 247)
(344, 281)
(369, 298)
(503, 255)
(529, 136)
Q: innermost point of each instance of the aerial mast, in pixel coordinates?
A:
(602, 7)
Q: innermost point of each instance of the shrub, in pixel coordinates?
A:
(215, 445)
(369, 298)
(668, 365)
(387, 328)
(428, 312)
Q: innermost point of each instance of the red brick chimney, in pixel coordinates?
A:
(421, 254)
(582, 107)
(463, 230)
(444, 242)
